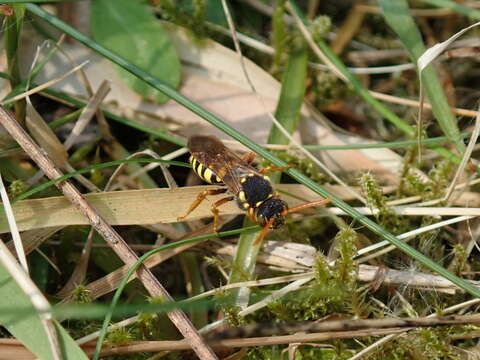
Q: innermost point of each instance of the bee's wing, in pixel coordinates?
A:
(227, 165)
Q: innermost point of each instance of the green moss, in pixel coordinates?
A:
(377, 201)
(460, 257)
(231, 315)
(81, 295)
(422, 344)
(320, 27)
(16, 188)
(335, 290)
(118, 337)
(327, 88)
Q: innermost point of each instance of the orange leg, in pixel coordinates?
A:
(199, 200)
(263, 233)
(249, 158)
(215, 212)
(274, 168)
(308, 205)
(268, 225)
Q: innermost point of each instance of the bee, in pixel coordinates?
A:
(250, 188)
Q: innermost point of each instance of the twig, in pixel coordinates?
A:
(344, 329)
(43, 86)
(88, 111)
(387, 338)
(120, 247)
(465, 158)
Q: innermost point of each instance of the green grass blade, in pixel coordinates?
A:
(221, 125)
(29, 329)
(461, 9)
(291, 96)
(397, 16)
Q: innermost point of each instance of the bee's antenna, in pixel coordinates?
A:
(306, 206)
(268, 225)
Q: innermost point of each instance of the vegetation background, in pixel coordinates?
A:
(99, 98)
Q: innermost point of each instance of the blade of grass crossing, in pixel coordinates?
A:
(461, 9)
(221, 125)
(397, 16)
(29, 329)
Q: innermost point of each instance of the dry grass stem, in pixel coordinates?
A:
(343, 329)
(151, 206)
(87, 114)
(413, 233)
(16, 239)
(466, 157)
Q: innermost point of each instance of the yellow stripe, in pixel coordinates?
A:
(204, 172)
(207, 175)
(241, 196)
(199, 170)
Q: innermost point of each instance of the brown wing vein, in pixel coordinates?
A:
(227, 165)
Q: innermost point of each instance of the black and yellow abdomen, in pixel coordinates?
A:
(205, 173)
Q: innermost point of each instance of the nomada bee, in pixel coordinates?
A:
(251, 188)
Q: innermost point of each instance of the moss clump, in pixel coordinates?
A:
(118, 337)
(327, 88)
(16, 188)
(320, 27)
(424, 344)
(460, 257)
(81, 295)
(335, 290)
(377, 202)
(231, 315)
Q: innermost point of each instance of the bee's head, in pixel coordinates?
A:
(272, 208)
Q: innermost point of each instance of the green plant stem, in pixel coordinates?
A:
(278, 34)
(222, 126)
(291, 97)
(288, 115)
